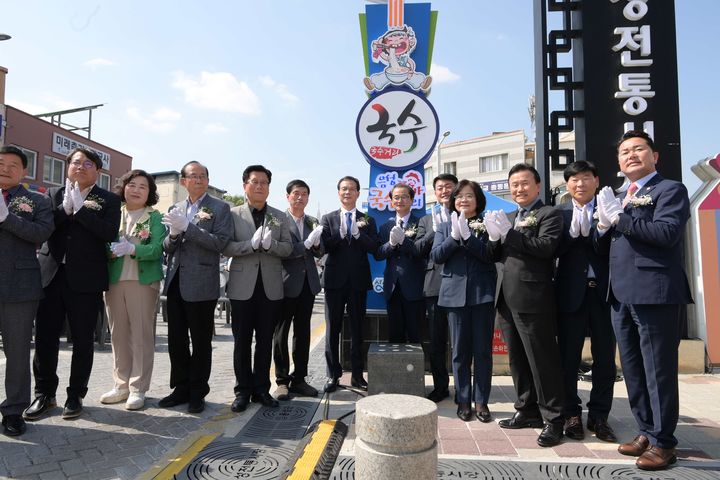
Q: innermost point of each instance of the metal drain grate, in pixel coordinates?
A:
(224, 460)
(508, 470)
(287, 422)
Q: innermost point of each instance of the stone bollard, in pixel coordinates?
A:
(395, 438)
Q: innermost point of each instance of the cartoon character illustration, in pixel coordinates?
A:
(393, 49)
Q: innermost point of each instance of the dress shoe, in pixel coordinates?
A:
(438, 396)
(482, 413)
(38, 407)
(359, 382)
(302, 389)
(574, 428)
(463, 412)
(656, 458)
(135, 401)
(265, 399)
(282, 392)
(602, 430)
(174, 399)
(519, 420)
(196, 405)
(331, 385)
(635, 448)
(13, 425)
(240, 403)
(73, 408)
(116, 395)
(551, 435)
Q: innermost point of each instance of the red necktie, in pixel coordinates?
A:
(6, 197)
(630, 192)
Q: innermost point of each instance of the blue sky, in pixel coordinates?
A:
(230, 83)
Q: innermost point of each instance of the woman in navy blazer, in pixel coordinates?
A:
(467, 292)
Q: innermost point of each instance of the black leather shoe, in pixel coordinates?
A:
(265, 398)
(519, 420)
(73, 408)
(482, 413)
(240, 403)
(38, 407)
(174, 399)
(438, 396)
(574, 428)
(13, 425)
(302, 389)
(331, 385)
(551, 435)
(196, 405)
(463, 412)
(359, 382)
(602, 430)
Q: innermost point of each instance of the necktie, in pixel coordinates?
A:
(630, 193)
(402, 224)
(6, 197)
(348, 221)
(520, 216)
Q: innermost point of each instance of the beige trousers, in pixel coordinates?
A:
(131, 316)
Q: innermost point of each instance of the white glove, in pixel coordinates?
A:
(464, 227)
(492, 226)
(611, 206)
(454, 226)
(577, 215)
(122, 248)
(256, 239)
(67, 199)
(438, 218)
(76, 198)
(343, 226)
(267, 238)
(355, 229)
(176, 220)
(585, 222)
(397, 235)
(313, 238)
(503, 222)
(603, 220)
(3, 210)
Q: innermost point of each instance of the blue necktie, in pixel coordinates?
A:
(348, 221)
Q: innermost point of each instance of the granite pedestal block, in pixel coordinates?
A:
(396, 368)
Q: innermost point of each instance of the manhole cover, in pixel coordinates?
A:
(287, 422)
(221, 461)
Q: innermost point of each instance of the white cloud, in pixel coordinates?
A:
(288, 98)
(442, 74)
(215, 128)
(99, 62)
(46, 103)
(501, 37)
(162, 120)
(217, 91)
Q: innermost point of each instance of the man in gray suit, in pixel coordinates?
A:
(200, 228)
(300, 284)
(26, 220)
(255, 289)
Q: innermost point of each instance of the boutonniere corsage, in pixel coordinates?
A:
(311, 223)
(642, 201)
(21, 205)
(204, 214)
(478, 226)
(142, 230)
(529, 221)
(271, 221)
(93, 202)
(361, 219)
(411, 230)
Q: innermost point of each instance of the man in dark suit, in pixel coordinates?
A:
(349, 236)
(648, 290)
(443, 185)
(526, 244)
(26, 220)
(404, 267)
(300, 285)
(581, 288)
(73, 265)
(200, 227)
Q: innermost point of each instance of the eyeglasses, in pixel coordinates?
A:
(83, 163)
(256, 183)
(399, 198)
(197, 177)
(465, 196)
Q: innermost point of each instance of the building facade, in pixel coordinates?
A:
(170, 191)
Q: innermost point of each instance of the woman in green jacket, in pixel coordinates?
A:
(135, 274)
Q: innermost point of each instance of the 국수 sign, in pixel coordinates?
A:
(397, 129)
(64, 145)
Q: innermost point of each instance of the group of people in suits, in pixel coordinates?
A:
(610, 264)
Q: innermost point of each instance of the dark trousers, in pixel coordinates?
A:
(534, 362)
(404, 317)
(16, 322)
(296, 312)
(81, 311)
(594, 313)
(255, 315)
(335, 301)
(438, 333)
(648, 337)
(471, 330)
(189, 372)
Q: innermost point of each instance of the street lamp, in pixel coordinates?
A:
(439, 164)
(4, 36)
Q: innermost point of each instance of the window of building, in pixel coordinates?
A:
(103, 181)
(428, 175)
(450, 167)
(53, 170)
(32, 161)
(493, 163)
